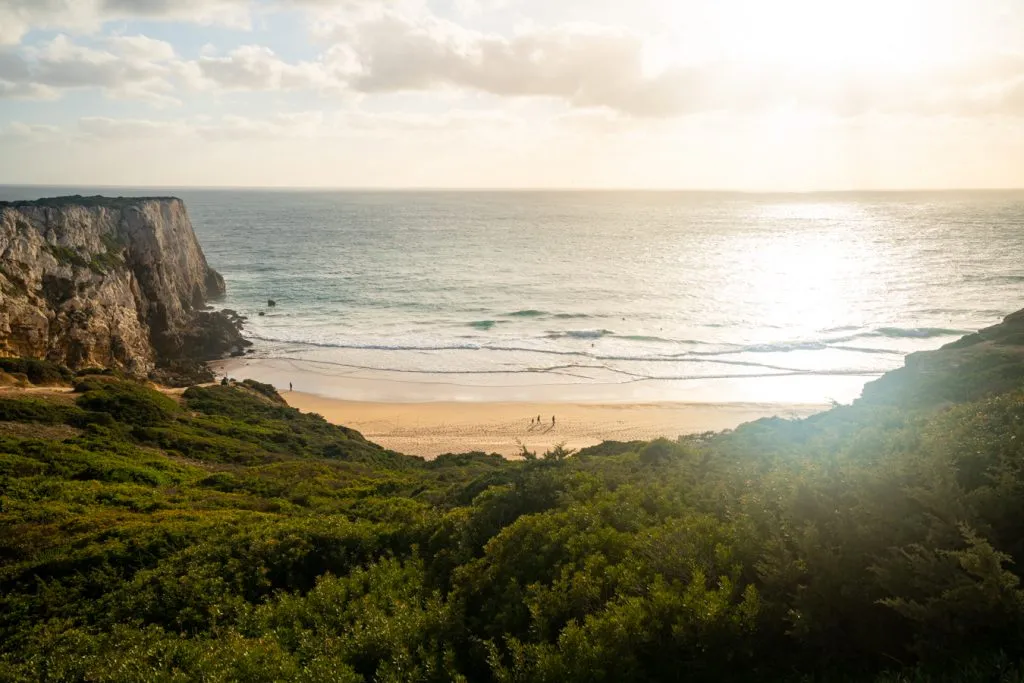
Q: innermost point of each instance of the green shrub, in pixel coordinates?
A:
(36, 410)
(267, 390)
(66, 256)
(126, 402)
(40, 372)
(238, 539)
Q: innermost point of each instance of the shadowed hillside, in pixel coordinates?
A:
(982, 364)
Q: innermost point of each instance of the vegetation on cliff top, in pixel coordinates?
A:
(86, 201)
(223, 536)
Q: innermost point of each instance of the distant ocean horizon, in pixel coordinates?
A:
(623, 295)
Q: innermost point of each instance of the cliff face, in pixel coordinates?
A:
(108, 282)
(988, 362)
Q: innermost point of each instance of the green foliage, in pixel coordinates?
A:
(40, 372)
(87, 202)
(226, 536)
(36, 410)
(267, 390)
(104, 262)
(126, 401)
(67, 256)
(558, 452)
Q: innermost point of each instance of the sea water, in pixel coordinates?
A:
(605, 295)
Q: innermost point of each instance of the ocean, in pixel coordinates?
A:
(621, 296)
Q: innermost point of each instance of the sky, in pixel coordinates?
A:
(778, 95)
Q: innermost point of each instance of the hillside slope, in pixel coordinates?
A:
(226, 537)
(981, 364)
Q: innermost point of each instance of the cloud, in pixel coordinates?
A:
(256, 68)
(585, 66)
(595, 67)
(134, 70)
(142, 48)
(379, 47)
(18, 17)
(26, 91)
(139, 67)
(135, 67)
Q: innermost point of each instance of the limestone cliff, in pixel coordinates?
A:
(94, 281)
(988, 362)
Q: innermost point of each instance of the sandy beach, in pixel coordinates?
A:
(429, 416)
(431, 429)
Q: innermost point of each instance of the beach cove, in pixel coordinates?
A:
(429, 418)
(432, 429)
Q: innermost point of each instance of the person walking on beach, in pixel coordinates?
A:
(552, 421)
(289, 386)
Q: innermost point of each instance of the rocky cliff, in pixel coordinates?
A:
(94, 281)
(988, 362)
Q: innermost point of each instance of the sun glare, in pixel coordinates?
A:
(831, 34)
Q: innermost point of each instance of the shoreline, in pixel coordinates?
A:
(343, 382)
(435, 428)
(431, 417)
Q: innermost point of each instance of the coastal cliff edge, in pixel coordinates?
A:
(109, 282)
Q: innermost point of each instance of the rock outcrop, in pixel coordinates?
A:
(988, 362)
(119, 283)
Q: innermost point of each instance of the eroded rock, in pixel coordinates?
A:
(114, 283)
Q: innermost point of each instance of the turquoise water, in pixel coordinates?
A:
(674, 290)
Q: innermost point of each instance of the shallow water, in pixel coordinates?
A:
(685, 296)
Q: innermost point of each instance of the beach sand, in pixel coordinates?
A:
(429, 415)
(431, 429)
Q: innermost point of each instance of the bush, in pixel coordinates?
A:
(126, 402)
(36, 410)
(41, 372)
(267, 390)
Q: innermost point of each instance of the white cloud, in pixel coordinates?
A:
(376, 47)
(135, 71)
(585, 66)
(142, 48)
(135, 67)
(599, 67)
(17, 17)
(252, 67)
(26, 91)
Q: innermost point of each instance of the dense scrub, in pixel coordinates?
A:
(225, 536)
(79, 200)
(39, 372)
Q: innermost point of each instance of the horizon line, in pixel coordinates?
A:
(413, 188)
